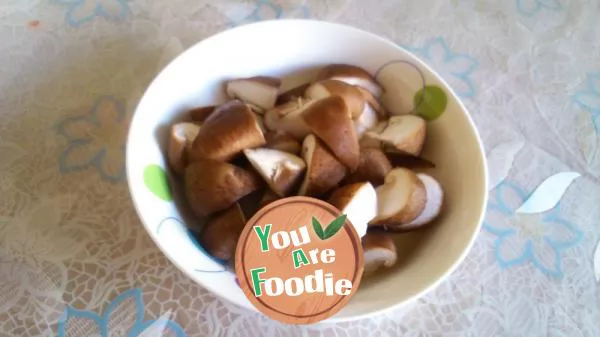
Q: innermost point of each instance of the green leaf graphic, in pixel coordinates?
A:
(430, 102)
(318, 229)
(335, 226)
(156, 181)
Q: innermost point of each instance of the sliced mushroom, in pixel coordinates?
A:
(379, 252)
(323, 170)
(201, 114)
(180, 140)
(368, 141)
(281, 170)
(400, 199)
(329, 120)
(433, 206)
(288, 118)
(260, 91)
(268, 198)
(372, 167)
(212, 186)
(366, 121)
(355, 100)
(229, 130)
(359, 203)
(373, 103)
(221, 232)
(282, 141)
(292, 94)
(405, 159)
(406, 133)
(352, 75)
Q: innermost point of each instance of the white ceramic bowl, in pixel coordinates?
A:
(295, 49)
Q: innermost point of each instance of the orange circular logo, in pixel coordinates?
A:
(299, 260)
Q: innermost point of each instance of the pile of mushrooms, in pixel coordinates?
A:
(330, 139)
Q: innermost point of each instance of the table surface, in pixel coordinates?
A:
(74, 260)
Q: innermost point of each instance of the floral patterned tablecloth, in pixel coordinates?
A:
(75, 261)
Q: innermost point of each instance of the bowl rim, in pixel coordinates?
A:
(334, 319)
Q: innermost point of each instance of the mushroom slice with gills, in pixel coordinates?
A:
(288, 118)
(281, 170)
(372, 167)
(181, 138)
(200, 114)
(352, 75)
(433, 205)
(282, 141)
(355, 100)
(379, 252)
(268, 197)
(400, 199)
(212, 186)
(406, 133)
(229, 130)
(328, 119)
(359, 202)
(292, 94)
(323, 170)
(259, 91)
(220, 234)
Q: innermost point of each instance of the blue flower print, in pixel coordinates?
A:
(124, 316)
(453, 67)
(83, 11)
(268, 10)
(589, 98)
(532, 7)
(96, 140)
(521, 238)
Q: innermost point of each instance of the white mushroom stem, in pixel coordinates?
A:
(281, 170)
(433, 206)
(379, 252)
(359, 203)
(259, 91)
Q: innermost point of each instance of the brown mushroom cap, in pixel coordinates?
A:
(288, 118)
(379, 251)
(281, 170)
(232, 128)
(400, 199)
(323, 170)
(372, 167)
(352, 75)
(259, 91)
(355, 100)
(212, 186)
(180, 140)
(406, 133)
(282, 141)
(221, 232)
(200, 114)
(328, 118)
